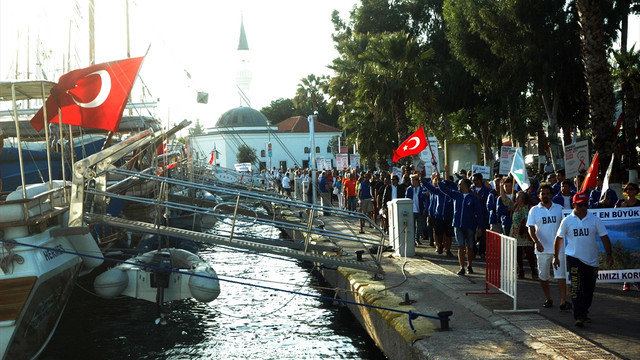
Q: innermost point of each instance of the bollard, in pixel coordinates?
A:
(444, 324)
(407, 300)
(359, 255)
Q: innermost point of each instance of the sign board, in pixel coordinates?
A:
(242, 167)
(466, 152)
(576, 158)
(506, 159)
(342, 161)
(484, 170)
(355, 160)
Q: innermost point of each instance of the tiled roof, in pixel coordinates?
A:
(300, 124)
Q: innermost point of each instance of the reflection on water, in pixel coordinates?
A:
(242, 323)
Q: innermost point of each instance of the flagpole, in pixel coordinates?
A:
(46, 137)
(314, 179)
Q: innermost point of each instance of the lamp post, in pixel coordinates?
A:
(314, 178)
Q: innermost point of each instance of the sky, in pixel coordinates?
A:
(191, 46)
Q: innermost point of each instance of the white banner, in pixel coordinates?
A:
(616, 276)
(342, 161)
(506, 159)
(576, 158)
(355, 161)
(242, 167)
(323, 164)
(398, 172)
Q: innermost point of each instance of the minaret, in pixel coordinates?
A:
(243, 74)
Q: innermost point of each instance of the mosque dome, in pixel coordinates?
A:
(241, 117)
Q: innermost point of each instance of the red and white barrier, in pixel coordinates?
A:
(501, 268)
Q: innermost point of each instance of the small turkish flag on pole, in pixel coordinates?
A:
(212, 157)
(413, 145)
(93, 97)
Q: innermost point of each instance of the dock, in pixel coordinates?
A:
(427, 284)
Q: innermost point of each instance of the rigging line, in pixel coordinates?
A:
(281, 307)
(412, 315)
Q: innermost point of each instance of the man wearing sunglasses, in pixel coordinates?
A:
(580, 231)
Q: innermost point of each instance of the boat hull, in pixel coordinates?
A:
(54, 274)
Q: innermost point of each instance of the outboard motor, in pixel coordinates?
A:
(160, 275)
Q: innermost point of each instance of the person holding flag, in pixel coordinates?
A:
(411, 146)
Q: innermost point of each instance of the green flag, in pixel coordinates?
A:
(519, 171)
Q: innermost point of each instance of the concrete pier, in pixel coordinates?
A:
(475, 330)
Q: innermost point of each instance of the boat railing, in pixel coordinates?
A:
(36, 209)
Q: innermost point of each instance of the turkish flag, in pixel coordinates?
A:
(413, 145)
(93, 97)
(591, 180)
(212, 157)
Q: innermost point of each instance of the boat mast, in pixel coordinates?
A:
(92, 25)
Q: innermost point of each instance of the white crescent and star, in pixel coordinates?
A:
(105, 89)
(417, 143)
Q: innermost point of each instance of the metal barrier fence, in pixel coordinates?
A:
(501, 267)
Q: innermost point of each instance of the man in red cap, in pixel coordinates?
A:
(580, 231)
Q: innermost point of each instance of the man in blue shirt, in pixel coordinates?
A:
(467, 219)
(325, 192)
(609, 200)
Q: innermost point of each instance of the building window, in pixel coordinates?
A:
(263, 165)
(317, 149)
(305, 164)
(263, 153)
(283, 166)
(307, 150)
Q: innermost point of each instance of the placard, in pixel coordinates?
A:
(576, 158)
(342, 161)
(484, 170)
(355, 161)
(506, 159)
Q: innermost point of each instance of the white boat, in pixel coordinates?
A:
(39, 267)
(39, 253)
(173, 274)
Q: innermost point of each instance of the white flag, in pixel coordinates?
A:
(607, 176)
(519, 170)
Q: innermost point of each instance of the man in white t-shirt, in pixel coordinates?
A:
(543, 222)
(579, 231)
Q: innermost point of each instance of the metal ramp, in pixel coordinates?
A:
(218, 240)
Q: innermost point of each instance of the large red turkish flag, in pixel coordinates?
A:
(413, 145)
(93, 97)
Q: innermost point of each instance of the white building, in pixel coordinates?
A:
(289, 139)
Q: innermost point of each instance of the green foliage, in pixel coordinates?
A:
(279, 110)
(246, 154)
(197, 129)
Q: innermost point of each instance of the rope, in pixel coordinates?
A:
(10, 257)
(412, 315)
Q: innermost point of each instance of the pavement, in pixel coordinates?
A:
(478, 332)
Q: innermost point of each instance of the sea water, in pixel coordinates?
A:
(244, 322)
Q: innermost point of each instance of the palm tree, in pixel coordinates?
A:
(598, 78)
(627, 73)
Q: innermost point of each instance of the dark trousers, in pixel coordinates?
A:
(583, 284)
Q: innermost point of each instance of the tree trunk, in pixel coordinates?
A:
(598, 78)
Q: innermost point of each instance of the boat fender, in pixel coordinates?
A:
(204, 289)
(111, 283)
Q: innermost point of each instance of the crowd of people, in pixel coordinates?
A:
(466, 205)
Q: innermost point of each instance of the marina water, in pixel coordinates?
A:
(244, 322)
